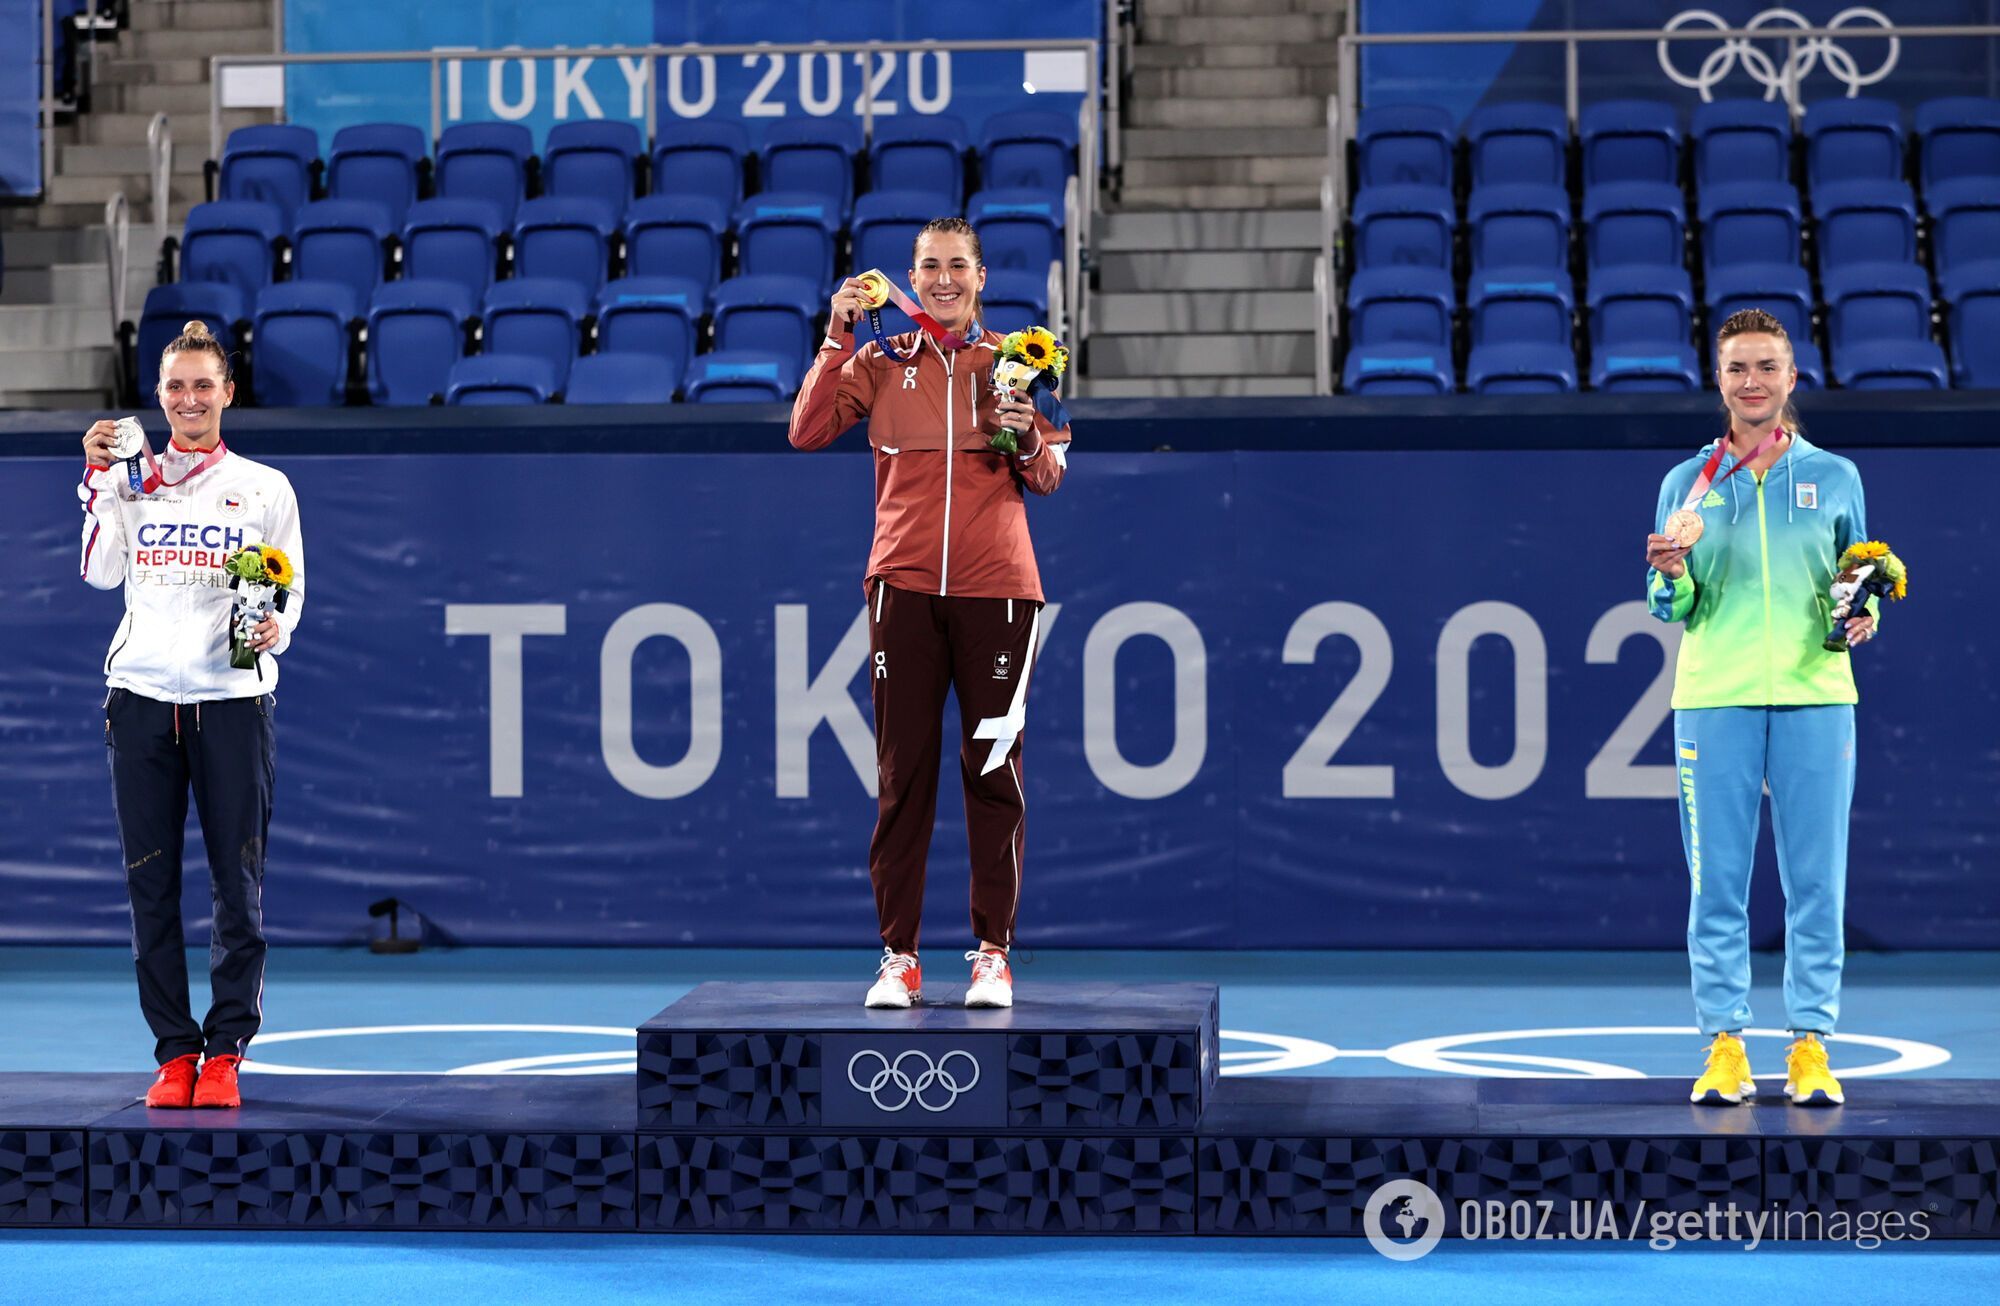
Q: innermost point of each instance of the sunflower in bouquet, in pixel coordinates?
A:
(1030, 359)
(1866, 568)
(262, 577)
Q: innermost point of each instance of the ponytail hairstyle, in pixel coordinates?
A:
(195, 339)
(1755, 321)
(954, 227)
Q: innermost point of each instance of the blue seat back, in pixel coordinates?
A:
(1018, 229)
(1521, 368)
(657, 317)
(1865, 221)
(1396, 370)
(1959, 136)
(1406, 144)
(773, 314)
(269, 164)
(1027, 149)
(1526, 305)
(1640, 306)
(377, 162)
(1965, 222)
(1894, 365)
(1853, 140)
(416, 331)
(452, 240)
(1518, 142)
(621, 379)
(1750, 222)
(813, 156)
(787, 233)
(1400, 305)
(1781, 289)
(217, 304)
(675, 236)
(301, 336)
(920, 154)
(1403, 226)
(701, 159)
(538, 316)
(1661, 368)
(1519, 226)
(1870, 302)
(592, 160)
(341, 240)
(1634, 222)
(231, 240)
(1630, 140)
(1973, 292)
(741, 376)
(1741, 140)
(565, 237)
(501, 380)
(485, 161)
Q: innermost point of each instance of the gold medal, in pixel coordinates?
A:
(1685, 527)
(874, 289)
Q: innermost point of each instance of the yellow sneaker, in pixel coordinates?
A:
(1807, 1080)
(1727, 1080)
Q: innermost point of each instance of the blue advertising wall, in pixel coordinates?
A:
(1463, 77)
(1390, 698)
(20, 98)
(752, 89)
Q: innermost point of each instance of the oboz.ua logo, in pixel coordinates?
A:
(1782, 75)
(929, 1084)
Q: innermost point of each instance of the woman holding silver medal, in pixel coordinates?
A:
(178, 714)
(954, 595)
(1744, 550)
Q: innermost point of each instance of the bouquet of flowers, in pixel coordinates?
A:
(1030, 359)
(262, 576)
(1867, 568)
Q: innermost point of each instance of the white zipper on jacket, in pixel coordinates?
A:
(950, 456)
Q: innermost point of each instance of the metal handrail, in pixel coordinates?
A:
(1072, 264)
(1322, 342)
(117, 254)
(1058, 307)
(160, 156)
(1117, 43)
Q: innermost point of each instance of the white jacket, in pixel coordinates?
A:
(168, 548)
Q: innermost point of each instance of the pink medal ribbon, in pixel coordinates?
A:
(157, 479)
(1685, 526)
(880, 290)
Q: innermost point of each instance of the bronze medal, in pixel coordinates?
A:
(1685, 527)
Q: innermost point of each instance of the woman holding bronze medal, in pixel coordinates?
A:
(954, 595)
(205, 544)
(1744, 550)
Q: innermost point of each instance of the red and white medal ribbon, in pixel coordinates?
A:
(1685, 525)
(881, 290)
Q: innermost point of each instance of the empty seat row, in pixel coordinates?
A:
(1641, 140)
(389, 164)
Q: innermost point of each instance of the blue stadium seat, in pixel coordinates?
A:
(1518, 142)
(1634, 222)
(494, 380)
(1749, 222)
(232, 240)
(620, 379)
(540, 316)
(593, 160)
(1525, 305)
(922, 154)
(656, 317)
(1012, 300)
(1406, 145)
(787, 233)
(416, 331)
(1646, 367)
(1781, 289)
(1870, 302)
(1958, 136)
(701, 158)
(217, 304)
(1021, 229)
(452, 240)
(1519, 226)
(886, 223)
(270, 164)
(568, 238)
(1027, 149)
(1892, 365)
(1639, 305)
(300, 343)
(485, 161)
(1741, 140)
(1388, 306)
(743, 376)
(1965, 221)
(812, 156)
(1853, 140)
(1521, 368)
(1630, 140)
(1972, 289)
(676, 236)
(378, 161)
(1812, 369)
(770, 313)
(1403, 226)
(344, 241)
(1394, 369)
(1865, 222)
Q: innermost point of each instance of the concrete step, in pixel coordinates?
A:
(1188, 387)
(255, 40)
(54, 326)
(57, 217)
(1234, 8)
(41, 370)
(146, 72)
(1235, 229)
(1149, 83)
(1272, 269)
(189, 130)
(1250, 311)
(219, 15)
(32, 247)
(1174, 198)
(122, 160)
(1272, 110)
(1223, 142)
(86, 284)
(1255, 170)
(1236, 52)
(1281, 29)
(1274, 354)
(138, 188)
(180, 100)
(57, 401)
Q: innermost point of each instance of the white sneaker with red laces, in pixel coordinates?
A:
(992, 980)
(899, 981)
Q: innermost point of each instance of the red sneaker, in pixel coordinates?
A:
(218, 1083)
(174, 1085)
(992, 980)
(899, 981)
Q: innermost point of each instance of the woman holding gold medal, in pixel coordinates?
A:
(1744, 550)
(206, 546)
(954, 595)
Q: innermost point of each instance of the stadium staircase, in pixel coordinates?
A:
(56, 346)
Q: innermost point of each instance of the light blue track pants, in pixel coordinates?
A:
(1724, 756)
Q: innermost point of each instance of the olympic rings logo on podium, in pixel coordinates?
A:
(1806, 55)
(893, 1077)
